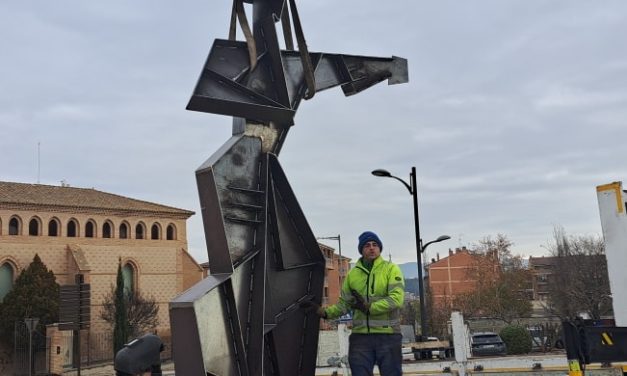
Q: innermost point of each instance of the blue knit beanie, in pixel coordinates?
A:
(366, 237)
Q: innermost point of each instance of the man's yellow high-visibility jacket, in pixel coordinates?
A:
(383, 287)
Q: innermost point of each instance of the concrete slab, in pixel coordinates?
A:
(550, 364)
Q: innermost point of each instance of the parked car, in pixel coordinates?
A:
(546, 339)
(487, 343)
(539, 340)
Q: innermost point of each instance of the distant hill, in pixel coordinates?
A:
(409, 269)
(411, 285)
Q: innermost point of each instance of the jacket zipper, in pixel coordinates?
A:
(368, 299)
(372, 285)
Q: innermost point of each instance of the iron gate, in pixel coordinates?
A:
(37, 355)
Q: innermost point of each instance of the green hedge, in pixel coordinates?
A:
(517, 339)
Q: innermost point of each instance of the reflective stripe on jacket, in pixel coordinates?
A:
(383, 287)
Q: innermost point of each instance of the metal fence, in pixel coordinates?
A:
(100, 348)
(31, 351)
(97, 348)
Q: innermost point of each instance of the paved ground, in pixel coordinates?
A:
(502, 366)
(167, 368)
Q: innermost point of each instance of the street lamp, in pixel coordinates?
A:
(440, 238)
(412, 188)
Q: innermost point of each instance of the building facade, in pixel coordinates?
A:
(337, 268)
(541, 270)
(77, 231)
(448, 277)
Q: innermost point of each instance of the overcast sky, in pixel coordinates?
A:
(514, 113)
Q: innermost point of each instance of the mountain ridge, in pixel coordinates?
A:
(409, 269)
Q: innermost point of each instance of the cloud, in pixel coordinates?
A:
(513, 114)
(576, 97)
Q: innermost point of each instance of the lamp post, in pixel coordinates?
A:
(412, 188)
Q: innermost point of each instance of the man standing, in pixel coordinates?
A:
(374, 291)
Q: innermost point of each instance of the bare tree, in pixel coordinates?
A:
(142, 312)
(502, 282)
(438, 314)
(579, 283)
(498, 248)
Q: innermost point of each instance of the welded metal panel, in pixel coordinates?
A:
(264, 258)
(273, 91)
(232, 203)
(246, 199)
(194, 313)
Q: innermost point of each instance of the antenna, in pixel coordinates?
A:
(38, 161)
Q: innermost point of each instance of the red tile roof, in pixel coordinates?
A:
(79, 198)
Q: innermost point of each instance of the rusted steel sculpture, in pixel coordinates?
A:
(264, 259)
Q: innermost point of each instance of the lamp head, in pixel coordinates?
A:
(442, 238)
(381, 173)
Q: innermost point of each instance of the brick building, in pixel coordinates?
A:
(337, 268)
(449, 276)
(541, 270)
(85, 231)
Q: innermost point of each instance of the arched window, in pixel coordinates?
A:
(128, 275)
(6, 279)
(140, 230)
(107, 230)
(53, 227)
(155, 232)
(34, 226)
(14, 226)
(90, 229)
(123, 231)
(171, 232)
(72, 228)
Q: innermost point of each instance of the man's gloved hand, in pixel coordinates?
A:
(311, 306)
(360, 303)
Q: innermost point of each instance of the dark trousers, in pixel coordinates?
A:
(384, 350)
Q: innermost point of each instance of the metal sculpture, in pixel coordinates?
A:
(264, 259)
